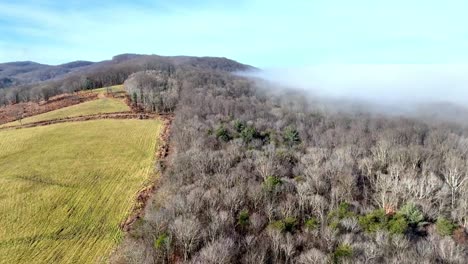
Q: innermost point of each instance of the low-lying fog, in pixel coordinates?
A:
(430, 90)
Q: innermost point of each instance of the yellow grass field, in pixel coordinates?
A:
(99, 106)
(65, 188)
(114, 89)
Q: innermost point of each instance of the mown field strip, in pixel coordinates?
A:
(65, 188)
(100, 106)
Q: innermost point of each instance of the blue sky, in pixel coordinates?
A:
(258, 32)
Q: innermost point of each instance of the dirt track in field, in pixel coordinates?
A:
(118, 115)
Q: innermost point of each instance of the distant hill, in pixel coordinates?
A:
(31, 81)
(28, 72)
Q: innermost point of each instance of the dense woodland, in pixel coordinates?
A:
(258, 175)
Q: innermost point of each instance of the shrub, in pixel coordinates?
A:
(336, 215)
(374, 221)
(398, 224)
(342, 251)
(243, 218)
(248, 134)
(378, 220)
(161, 241)
(444, 226)
(239, 125)
(271, 182)
(312, 223)
(279, 225)
(223, 134)
(412, 213)
(288, 224)
(341, 212)
(291, 136)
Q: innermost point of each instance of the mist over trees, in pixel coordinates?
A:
(258, 175)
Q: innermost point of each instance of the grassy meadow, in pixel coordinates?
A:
(99, 106)
(114, 89)
(65, 188)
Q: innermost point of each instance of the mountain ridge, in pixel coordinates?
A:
(19, 73)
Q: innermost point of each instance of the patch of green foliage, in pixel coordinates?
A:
(412, 213)
(291, 136)
(271, 182)
(312, 223)
(288, 224)
(243, 218)
(279, 225)
(239, 125)
(341, 252)
(223, 133)
(248, 134)
(444, 226)
(338, 214)
(378, 220)
(161, 241)
(397, 224)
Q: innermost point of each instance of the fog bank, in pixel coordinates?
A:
(382, 84)
(430, 91)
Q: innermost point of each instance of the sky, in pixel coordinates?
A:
(262, 33)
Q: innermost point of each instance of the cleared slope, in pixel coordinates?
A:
(100, 106)
(65, 188)
(114, 89)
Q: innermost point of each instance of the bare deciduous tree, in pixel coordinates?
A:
(187, 231)
(454, 174)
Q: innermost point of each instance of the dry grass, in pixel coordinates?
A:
(65, 188)
(113, 89)
(100, 106)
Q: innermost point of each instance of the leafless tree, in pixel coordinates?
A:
(187, 231)
(312, 256)
(454, 174)
(264, 161)
(221, 251)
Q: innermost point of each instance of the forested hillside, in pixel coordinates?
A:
(27, 72)
(259, 175)
(29, 81)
